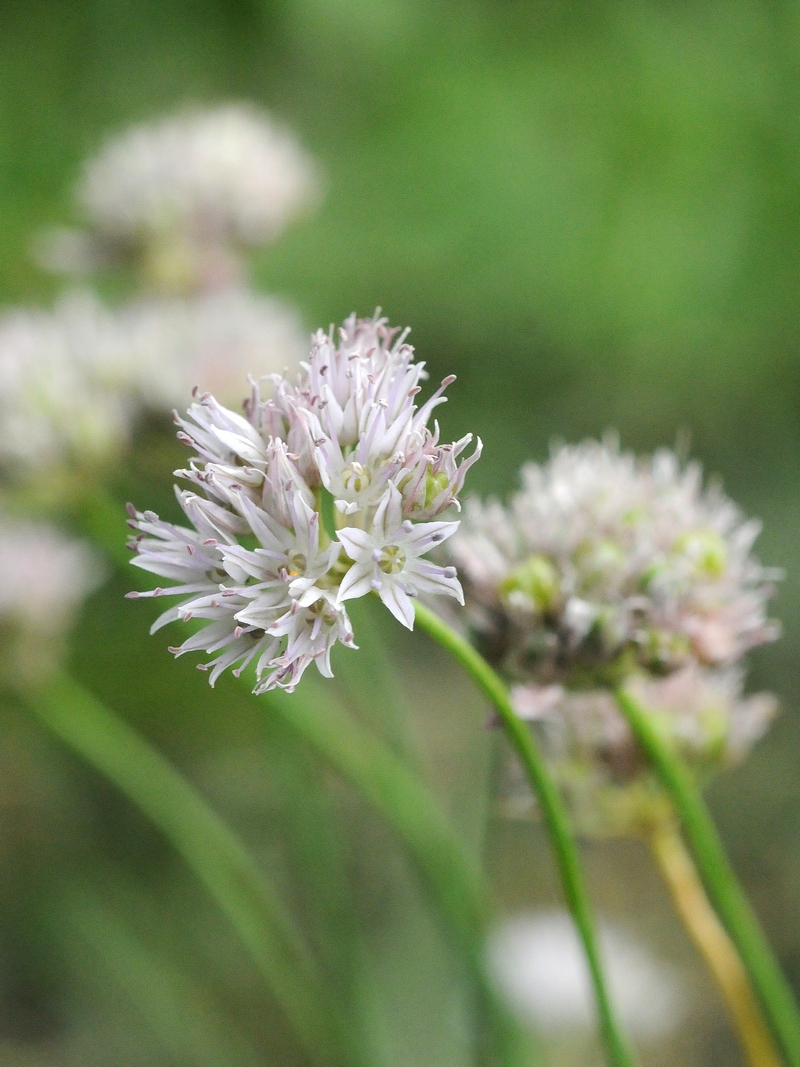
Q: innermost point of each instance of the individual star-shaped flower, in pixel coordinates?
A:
(388, 560)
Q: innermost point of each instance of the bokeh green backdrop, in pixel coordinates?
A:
(589, 212)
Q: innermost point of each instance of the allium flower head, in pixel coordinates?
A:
(604, 564)
(64, 385)
(210, 341)
(74, 379)
(44, 577)
(184, 193)
(260, 564)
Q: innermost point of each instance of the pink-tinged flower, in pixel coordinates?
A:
(259, 564)
(606, 570)
(605, 564)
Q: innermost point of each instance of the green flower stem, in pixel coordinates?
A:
(370, 766)
(720, 881)
(553, 812)
(242, 891)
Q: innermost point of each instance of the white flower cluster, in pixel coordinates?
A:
(227, 172)
(182, 196)
(596, 761)
(61, 392)
(73, 380)
(604, 564)
(210, 341)
(329, 490)
(44, 577)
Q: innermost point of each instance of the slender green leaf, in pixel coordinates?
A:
(368, 678)
(179, 1010)
(200, 836)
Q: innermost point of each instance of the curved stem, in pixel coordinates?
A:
(553, 812)
(720, 881)
(210, 849)
(714, 945)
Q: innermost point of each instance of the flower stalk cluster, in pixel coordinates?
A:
(328, 490)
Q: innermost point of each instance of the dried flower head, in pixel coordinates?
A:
(604, 564)
(327, 490)
(182, 195)
(44, 577)
(594, 757)
(73, 380)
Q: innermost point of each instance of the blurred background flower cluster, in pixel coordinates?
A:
(589, 213)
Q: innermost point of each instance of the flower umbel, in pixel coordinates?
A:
(180, 199)
(260, 564)
(608, 571)
(604, 564)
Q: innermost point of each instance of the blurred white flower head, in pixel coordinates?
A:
(65, 391)
(328, 490)
(73, 380)
(604, 564)
(608, 570)
(182, 196)
(538, 964)
(210, 342)
(44, 578)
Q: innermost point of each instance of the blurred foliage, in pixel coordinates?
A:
(591, 213)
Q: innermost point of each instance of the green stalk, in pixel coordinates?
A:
(242, 891)
(554, 814)
(720, 880)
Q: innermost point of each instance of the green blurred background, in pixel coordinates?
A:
(591, 214)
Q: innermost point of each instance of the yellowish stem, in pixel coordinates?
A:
(714, 945)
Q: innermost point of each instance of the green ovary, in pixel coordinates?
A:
(392, 560)
(536, 579)
(707, 550)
